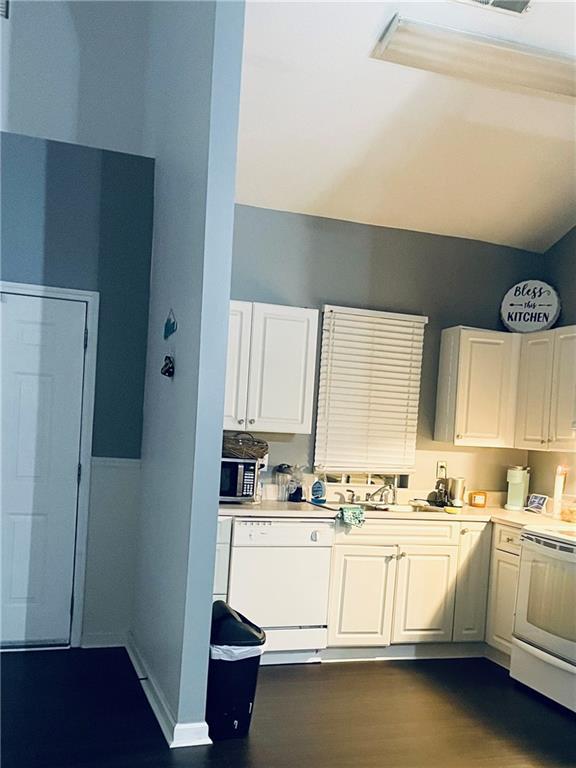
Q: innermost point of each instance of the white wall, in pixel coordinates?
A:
(159, 79)
(111, 550)
(76, 72)
(194, 83)
(543, 470)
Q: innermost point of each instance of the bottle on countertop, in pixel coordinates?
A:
(318, 491)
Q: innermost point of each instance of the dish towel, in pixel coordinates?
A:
(351, 514)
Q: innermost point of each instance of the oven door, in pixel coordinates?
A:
(546, 599)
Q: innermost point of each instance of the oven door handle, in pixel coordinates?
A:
(545, 656)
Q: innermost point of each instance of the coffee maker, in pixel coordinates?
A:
(518, 482)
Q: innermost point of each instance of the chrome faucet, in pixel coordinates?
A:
(387, 490)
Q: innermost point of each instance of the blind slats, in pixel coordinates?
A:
(369, 390)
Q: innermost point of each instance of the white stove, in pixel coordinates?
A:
(544, 641)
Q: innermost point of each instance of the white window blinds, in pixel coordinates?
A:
(369, 390)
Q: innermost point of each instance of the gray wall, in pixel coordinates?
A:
(293, 259)
(77, 217)
(560, 263)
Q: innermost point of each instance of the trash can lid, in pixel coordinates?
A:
(231, 628)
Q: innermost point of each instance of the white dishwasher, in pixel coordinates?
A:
(279, 579)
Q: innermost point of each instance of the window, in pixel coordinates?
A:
(369, 390)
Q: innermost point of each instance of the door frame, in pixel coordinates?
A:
(92, 301)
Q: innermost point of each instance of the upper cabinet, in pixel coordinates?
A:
(534, 390)
(477, 380)
(506, 389)
(271, 368)
(547, 388)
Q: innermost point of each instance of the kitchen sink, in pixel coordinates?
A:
(387, 507)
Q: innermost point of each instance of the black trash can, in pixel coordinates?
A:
(236, 645)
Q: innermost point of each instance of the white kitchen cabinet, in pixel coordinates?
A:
(425, 593)
(472, 582)
(561, 433)
(534, 390)
(504, 570)
(477, 381)
(361, 595)
(271, 368)
(546, 390)
(237, 366)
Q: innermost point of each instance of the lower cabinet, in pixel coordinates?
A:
(472, 582)
(361, 595)
(421, 592)
(504, 571)
(425, 593)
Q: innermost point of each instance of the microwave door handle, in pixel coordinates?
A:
(240, 480)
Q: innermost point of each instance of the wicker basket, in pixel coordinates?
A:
(243, 445)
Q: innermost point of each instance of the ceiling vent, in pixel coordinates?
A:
(470, 56)
(512, 6)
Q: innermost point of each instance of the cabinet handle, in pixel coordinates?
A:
(464, 530)
(401, 555)
(509, 539)
(251, 421)
(458, 437)
(542, 441)
(240, 421)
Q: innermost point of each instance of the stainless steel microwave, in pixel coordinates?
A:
(238, 479)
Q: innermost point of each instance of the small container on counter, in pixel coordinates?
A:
(477, 499)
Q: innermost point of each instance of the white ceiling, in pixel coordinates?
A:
(326, 130)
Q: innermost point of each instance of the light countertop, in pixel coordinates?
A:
(305, 510)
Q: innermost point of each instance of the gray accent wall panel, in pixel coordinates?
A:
(77, 217)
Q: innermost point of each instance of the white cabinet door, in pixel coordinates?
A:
(562, 436)
(237, 366)
(361, 595)
(534, 390)
(502, 598)
(282, 365)
(425, 590)
(486, 396)
(472, 582)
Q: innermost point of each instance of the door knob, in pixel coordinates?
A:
(240, 421)
(251, 421)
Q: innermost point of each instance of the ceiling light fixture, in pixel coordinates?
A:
(467, 55)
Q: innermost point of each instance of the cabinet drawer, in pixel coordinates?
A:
(507, 539)
(375, 532)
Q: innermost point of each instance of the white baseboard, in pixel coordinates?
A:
(103, 640)
(177, 734)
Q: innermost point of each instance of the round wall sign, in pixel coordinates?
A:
(530, 306)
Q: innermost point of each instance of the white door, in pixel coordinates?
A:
(487, 378)
(501, 601)
(282, 366)
(238, 362)
(361, 595)
(472, 582)
(42, 362)
(534, 390)
(425, 590)
(562, 435)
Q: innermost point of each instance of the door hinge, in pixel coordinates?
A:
(79, 473)
(85, 338)
(72, 605)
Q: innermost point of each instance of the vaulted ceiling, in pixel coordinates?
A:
(326, 130)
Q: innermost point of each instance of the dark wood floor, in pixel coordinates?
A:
(85, 709)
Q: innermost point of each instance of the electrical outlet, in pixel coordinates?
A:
(441, 469)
